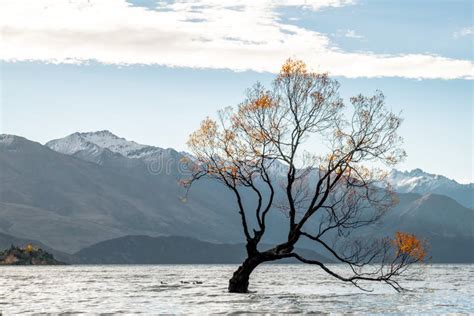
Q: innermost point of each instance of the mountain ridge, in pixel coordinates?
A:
(101, 145)
(142, 249)
(96, 142)
(71, 201)
(419, 181)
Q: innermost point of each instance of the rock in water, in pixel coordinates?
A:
(29, 255)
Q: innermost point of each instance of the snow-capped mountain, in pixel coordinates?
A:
(63, 200)
(418, 181)
(69, 202)
(7, 139)
(102, 146)
(94, 144)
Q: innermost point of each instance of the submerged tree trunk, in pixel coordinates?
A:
(239, 283)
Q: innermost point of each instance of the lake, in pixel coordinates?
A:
(201, 289)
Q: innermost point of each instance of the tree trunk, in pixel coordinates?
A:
(239, 283)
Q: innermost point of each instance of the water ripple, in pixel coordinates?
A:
(201, 289)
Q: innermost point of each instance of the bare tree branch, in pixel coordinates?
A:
(332, 193)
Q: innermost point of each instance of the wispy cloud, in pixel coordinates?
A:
(466, 31)
(352, 34)
(247, 35)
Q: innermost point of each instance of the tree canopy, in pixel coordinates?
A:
(326, 191)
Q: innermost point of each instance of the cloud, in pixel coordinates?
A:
(247, 35)
(352, 34)
(466, 31)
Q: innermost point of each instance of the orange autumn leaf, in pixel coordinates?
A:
(234, 172)
(408, 244)
(264, 102)
(293, 67)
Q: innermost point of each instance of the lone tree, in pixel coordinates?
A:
(325, 198)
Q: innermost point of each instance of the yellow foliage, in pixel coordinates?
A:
(229, 136)
(409, 245)
(264, 102)
(205, 135)
(208, 126)
(29, 248)
(234, 172)
(293, 67)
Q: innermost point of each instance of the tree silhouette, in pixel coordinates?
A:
(325, 197)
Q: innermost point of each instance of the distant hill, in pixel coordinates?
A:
(6, 241)
(169, 250)
(28, 255)
(445, 224)
(450, 249)
(149, 250)
(432, 214)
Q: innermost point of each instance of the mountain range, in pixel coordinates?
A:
(74, 192)
(418, 181)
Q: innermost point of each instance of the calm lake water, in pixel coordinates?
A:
(201, 289)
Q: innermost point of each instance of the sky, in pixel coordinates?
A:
(150, 71)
